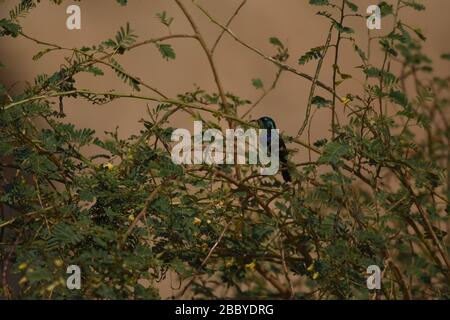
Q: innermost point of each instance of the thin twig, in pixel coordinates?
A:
(314, 82)
(227, 25)
(335, 69)
(205, 260)
(207, 52)
(141, 215)
(266, 57)
(265, 94)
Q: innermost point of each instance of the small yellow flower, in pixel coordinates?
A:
(23, 280)
(23, 266)
(315, 275)
(52, 286)
(108, 166)
(131, 217)
(197, 221)
(250, 266)
(311, 267)
(345, 100)
(220, 204)
(58, 263)
(229, 263)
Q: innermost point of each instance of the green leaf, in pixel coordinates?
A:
(86, 195)
(351, 5)
(257, 83)
(118, 69)
(419, 33)
(398, 97)
(319, 2)
(64, 235)
(276, 42)
(125, 36)
(122, 2)
(320, 101)
(95, 71)
(387, 47)
(334, 153)
(40, 54)
(313, 54)
(22, 9)
(385, 8)
(414, 4)
(326, 14)
(445, 56)
(282, 54)
(166, 51)
(361, 53)
(345, 76)
(342, 29)
(9, 28)
(164, 19)
(372, 72)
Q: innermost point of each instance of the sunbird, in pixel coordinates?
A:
(269, 124)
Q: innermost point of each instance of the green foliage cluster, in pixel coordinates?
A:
(375, 191)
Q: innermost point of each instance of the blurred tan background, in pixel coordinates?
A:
(293, 21)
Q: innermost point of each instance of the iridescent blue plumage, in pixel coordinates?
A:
(269, 124)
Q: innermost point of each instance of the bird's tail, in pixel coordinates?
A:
(286, 175)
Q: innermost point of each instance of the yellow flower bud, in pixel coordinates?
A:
(220, 204)
(197, 221)
(311, 267)
(250, 266)
(315, 275)
(52, 286)
(58, 263)
(345, 100)
(108, 166)
(23, 280)
(23, 266)
(229, 263)
(131, 217)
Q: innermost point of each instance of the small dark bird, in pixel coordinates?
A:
(269, 124)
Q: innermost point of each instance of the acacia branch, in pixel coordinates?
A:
(227, 25)
(266, 57)
(208, 53)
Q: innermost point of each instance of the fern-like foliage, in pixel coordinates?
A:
(124, 38)
(313, 54)
(374, 191)
(131, 81)
(166, 51)
(21, 10)
(63, 235)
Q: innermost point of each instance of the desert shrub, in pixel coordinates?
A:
(375, 192)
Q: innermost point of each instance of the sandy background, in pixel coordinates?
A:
(293, 21)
